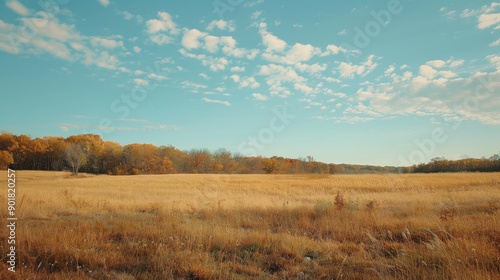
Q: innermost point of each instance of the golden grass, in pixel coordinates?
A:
(411, 226)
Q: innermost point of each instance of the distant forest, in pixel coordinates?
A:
(89, 153)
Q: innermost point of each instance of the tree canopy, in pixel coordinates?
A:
(90, 153)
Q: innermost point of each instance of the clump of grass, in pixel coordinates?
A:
(370, 206)
(339, 201)
(78, 203)
(447, 213)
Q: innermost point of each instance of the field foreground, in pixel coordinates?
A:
(437, 226)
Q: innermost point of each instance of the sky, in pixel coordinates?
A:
(369, 82)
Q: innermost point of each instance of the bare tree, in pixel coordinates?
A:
(75, 156)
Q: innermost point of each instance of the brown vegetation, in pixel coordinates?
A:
(440, 226)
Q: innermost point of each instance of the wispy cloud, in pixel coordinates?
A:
(215, 101)
(117, 125)
(17, 7)
(105, 3)
(260, 97)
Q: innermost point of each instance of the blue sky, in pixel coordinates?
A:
(371, 82)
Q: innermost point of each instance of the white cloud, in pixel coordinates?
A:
(139, 72)
(194, 39)
(163, 23)
(495, 60)
(348, 70)
(106, 43)
(298, 53)
(436, 63)
(245, 81)
(52, 28)
(495, 44)
(17, 7)
(455, 63)
(434, 92)
(486, 16)
(103, 59)
(141, 82)
(281, 73)
(161, 39)
(10, 48)
(256, 14)
(302, 87)
(389, 70)
(137, 49)
(273, 43)
(222, 25)
(124, 69)
(204, 76)
(157, 77)
(428, 72)
(62, 41)
(407, 75)
(260, 97)
(191, 39)
(225, 103)
(129, 16)
(447, 74)
(311, 68)
(335, 49)
(489, 20)
(237, 69)
(105, 3)
(229, 48)
(252, 3)
(451, 14)
(215, 64)
(277, 76)
(235, 78)
(194, 87)
(53, 47)
(212, 43)
(469, 13)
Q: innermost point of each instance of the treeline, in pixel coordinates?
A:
(440, 164)
(89, 153)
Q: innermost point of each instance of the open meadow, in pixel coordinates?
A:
(408, 226)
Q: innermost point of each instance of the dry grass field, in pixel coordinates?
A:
(437, 226)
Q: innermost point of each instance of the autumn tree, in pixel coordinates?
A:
(21, 151)
(55, 153)
(111, 157)
(222, 161)
(92, 145)
(176, 157)
(270, 165)
(167, 166)
(5, 160)
(335, 169)
(199, 161)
